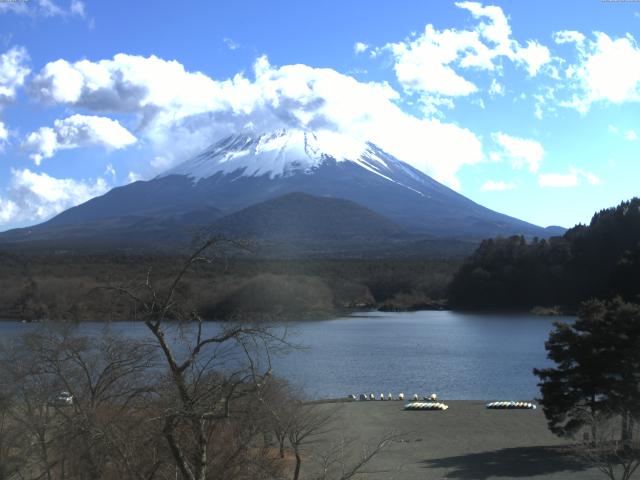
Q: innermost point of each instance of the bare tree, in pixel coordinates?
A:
(605, 447)
(308, 424)
(106, 380)
(208, 369)
(12, 440)
(307, 429)
(334, 462)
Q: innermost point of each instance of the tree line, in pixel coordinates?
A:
(599, 260)
(67, 287)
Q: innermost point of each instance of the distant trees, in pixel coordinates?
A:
(601, 260)
(597, 368)
(66, 286)
(514, 273)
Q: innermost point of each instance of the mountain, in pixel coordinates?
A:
(248, 169)
(130, 232)
(301, 216)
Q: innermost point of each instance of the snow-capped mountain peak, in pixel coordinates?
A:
(280, 154)
(247, 170)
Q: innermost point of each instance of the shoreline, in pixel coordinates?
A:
(467, 441)
(318, 317)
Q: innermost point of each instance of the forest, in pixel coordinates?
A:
(599, 260)
(73, 287)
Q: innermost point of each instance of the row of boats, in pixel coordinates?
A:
(382, 397)
(493, 405)
(426, 406)
(430, 402)
(511, 405)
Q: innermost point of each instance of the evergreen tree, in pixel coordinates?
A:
(597, 368)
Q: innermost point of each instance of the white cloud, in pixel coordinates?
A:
(4, 133)
(230, 43)
(49, 8)
(568, 180)
(4, 136)
(495, 156)
(607, 70)
(424, 64)
(160, 163)
(133, 177)
(111, 171)
(38, 196)
(42, 8)
(591, 178)
(77, 8)
(433, 62)
(630, 134)
(558, 180)
(496, 88)
(534, 56)
(20, 8)
(9, 211)
(568, 36)
(181, 112)
(497, 186)
(13, 71)
(479, 102)
(496, 30)
(360, 47)
(537, 111)
(74, 132)
(520, 151)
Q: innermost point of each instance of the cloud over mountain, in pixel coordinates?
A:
(38, 196)
(74, 132)
(13, 72)
(180, 112)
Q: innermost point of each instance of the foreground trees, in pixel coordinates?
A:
(598, 367)
(605, 451)
(179, 399)
(596, 382)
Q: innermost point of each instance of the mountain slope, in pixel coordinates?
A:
(302, 216)
(243, 170)
(247, 169)
(293, 225)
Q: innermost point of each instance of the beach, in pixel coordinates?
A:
(467, 441)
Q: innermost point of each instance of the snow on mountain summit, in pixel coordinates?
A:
(280, 154)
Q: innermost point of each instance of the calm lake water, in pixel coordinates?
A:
(457, 355)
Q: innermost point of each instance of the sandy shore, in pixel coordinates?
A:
(465, 442)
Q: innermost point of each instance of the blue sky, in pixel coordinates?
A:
(529, 108)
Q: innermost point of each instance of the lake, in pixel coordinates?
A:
(460, 356)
